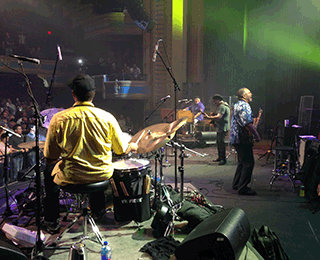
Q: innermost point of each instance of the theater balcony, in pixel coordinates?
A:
(122, 89)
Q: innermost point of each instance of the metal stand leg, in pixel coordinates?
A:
(285, 169)
(86, 217)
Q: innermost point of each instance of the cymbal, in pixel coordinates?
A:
(31, 145)
(153, 137)
(48, 114)
(175, 125)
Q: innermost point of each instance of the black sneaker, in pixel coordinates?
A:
(52, 227)
(222, 162)
(247, 192)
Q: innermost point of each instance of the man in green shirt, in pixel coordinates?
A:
(222, 123)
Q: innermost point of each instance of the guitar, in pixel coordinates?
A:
(255, 125)
(257, 120)
(210, 117)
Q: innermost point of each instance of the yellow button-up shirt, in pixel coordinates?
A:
(83, 136)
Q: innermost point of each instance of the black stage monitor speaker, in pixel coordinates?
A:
(206, 138)
(10, 251)
(220, 236)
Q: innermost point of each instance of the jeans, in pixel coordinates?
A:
(16, 166)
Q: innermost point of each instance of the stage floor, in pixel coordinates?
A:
(280, 208)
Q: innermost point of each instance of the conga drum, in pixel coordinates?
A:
(131, 190)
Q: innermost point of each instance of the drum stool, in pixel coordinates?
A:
(84, 190)
(283, 166)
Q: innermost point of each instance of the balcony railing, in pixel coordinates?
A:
(122, 89)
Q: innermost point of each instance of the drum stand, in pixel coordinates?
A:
(165, 213)
(158, 158)
(167, 164)
(170, 213)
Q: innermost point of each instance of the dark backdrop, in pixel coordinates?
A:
(264, 57)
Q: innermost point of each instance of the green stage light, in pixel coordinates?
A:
(177, 18)
(245, 32)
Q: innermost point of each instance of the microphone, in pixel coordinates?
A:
(156, 51)
(165, 98)
(32, 60)
(183, 100)
(190, 100)
(59, 52)
(9, 131)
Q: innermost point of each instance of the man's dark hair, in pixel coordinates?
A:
(85, 96)
(15, 127)
(3, 136)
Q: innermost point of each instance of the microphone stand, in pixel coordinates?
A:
(171, 113)
(49, 93)
(176, 88)
(154, 110)
(39, 245)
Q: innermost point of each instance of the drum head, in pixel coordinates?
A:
(131, 164)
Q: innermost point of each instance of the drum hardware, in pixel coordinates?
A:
(163, 221)
(166, 164)
(157, 190)
(166, 212)
(8, 212)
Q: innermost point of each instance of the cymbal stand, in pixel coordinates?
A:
(8, 212)
(167, 164)
(181, 167)
(156, 190)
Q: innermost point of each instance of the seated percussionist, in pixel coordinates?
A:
(197, 108)
(78, 149)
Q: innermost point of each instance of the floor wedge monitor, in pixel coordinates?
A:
(220, 236)
(10, 251)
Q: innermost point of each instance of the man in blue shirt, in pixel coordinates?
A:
(197, 107)
(241, 133)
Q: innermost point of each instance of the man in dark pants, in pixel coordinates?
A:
(222, 123)
(241, 133)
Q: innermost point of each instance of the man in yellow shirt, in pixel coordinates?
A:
(78, 149)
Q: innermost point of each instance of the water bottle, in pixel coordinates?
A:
(106, 251)
(302, 191)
